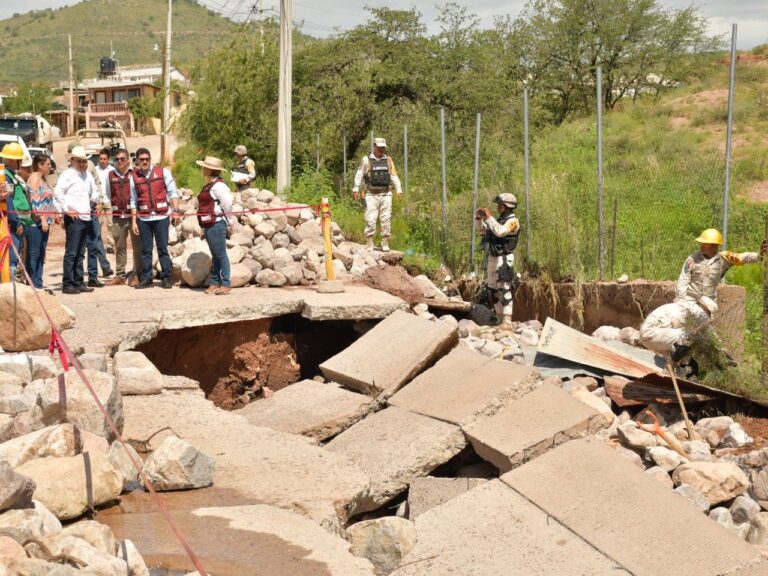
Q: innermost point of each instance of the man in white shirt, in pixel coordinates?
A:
(74, 192)
(154, 198)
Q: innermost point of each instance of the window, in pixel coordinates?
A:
(119, 96)
(134, 93)
(101, 97)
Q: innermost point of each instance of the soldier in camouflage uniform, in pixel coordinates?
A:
(499, 240)
(379, 174)
(703, 270)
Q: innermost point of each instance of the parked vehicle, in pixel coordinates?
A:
(34, 130)
(96, 139)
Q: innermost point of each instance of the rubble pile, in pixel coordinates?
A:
(57, 466)
(272, 248)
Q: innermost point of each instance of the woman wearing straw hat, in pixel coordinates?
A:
(213, 204)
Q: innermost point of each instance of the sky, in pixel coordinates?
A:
(324, 17)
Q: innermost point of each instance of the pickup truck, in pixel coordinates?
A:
(34, 130)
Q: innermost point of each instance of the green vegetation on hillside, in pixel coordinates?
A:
(36, 49)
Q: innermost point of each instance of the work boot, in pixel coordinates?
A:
(212, 289)
(223, 291)
(369, 243)
(116, 281)
(144, 284)
(95, 283)
(84, 288)
(133, 281)
(385, 244)
(166, 283)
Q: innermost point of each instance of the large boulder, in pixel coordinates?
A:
(135, 374)
(71, 486)
(195, 268)
(270, 278)
(43, 367)
(263, 253)
(54, 441)
(18, 365)
(83, 552)
(190, 227)
(718, 481)
(24, 524)
(310, 229)
(81, 409)
(177, 465)
(23, 324)
(98, 535)
(240, 275)
(122, 459)
(236, 254)
(130, 554)
(15, 490)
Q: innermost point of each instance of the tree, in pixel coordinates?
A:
(30, 97)
(641, 48)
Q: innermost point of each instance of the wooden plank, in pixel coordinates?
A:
(626, 392)
(450, 305)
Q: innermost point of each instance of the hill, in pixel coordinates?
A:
(35, 43)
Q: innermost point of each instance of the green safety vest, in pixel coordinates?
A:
(21, 201)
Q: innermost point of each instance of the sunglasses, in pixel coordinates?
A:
(121, 159)
(144, 159)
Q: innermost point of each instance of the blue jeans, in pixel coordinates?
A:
(37, 241)
(96, 253)
(74, 250)
(157, 230)
(216, 236)
(14, 261)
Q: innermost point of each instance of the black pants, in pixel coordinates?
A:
(76, 231)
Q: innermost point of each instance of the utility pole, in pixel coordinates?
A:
(729, 131)
(284, 99)
(261, 25)
(164, 156)
(71, 123)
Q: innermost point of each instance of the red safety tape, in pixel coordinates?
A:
(58, 342)
(4, 251)
(313, 207)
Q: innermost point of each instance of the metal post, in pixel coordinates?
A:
(317, 162)
(371, 141)
(613, 235)
(765, 310)
(284, 98)
(344, 159)
(731, 82)
(164, 156)
(71, 127)
(405, 159)
(445, 190)
(527, 171)
(474, 193)
(600, 239)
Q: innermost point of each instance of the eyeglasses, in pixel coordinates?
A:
(121, 159)
(80, 160)
(144, 159)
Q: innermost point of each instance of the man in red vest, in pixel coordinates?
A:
(117, 188)
(154, 198)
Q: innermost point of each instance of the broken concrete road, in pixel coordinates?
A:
(541, 419)
(262, 465)
(390, 354)
(465, 385)
(429, 492)
(394, 447)
(493, 531)
(313, 409)
(627, 515)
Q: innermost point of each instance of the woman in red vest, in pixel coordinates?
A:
(213, 204)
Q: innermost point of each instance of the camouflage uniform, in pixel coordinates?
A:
(701, 275)
(666, 326)
(378, 204)
(502, 287)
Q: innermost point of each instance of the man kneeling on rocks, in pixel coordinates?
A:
(670, 328)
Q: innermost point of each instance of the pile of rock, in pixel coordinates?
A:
(282, 246)
(58, 464)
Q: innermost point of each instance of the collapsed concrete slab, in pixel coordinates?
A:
(464, 385)
(394, 447)
(390, 354)
(493, 531)
(544, 418)
(429, 492)
(760, 569)
(627, 515)
(260, 464)
(319, 411)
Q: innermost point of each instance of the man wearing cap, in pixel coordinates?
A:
(500, 240)
(670, 328)
(75, 191)
(379, 174)
(704, 269)
(117, 188)
(154, 198)
(214, 202)
(18, 202)
(244, 166)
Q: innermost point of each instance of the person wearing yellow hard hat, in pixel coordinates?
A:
(18, 203)
(704, 269)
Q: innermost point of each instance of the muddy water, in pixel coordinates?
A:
(224, 551)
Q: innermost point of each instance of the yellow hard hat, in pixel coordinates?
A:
(12, 151)
(710, 236)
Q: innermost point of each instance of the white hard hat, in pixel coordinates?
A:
(380, 142)
(708, 304)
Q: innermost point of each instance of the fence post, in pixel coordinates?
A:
(765, 310)
(600, 239)
(526, 169)
(613, 236)
(731, 82)
(445, 190)
(474, 193)
(317, 164)
(405, 158)
(344, 161)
